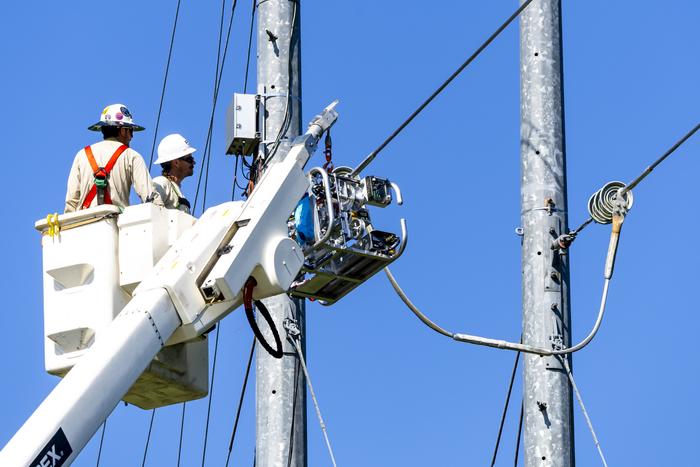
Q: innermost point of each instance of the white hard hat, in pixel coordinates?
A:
(173, 147)
(116, 115)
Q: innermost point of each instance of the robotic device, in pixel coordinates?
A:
(346, 250)
(161, 301)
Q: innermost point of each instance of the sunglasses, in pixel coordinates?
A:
(189, 159)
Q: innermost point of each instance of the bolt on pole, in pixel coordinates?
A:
(280, 389)
(547, 399)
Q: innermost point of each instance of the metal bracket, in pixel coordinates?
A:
(292, 328)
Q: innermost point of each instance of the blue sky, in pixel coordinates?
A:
(392, 391)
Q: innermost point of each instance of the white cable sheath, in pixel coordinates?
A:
(501, 344)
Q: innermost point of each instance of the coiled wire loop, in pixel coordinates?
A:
(603, 203)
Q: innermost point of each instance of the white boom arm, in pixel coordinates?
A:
(198, 282)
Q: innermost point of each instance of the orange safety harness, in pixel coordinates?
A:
(101, 188)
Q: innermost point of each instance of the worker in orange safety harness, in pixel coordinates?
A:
(104, 172)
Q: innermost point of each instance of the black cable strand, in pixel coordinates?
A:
(148, 438)
(207, 146)
(182, 429)
(644, 174)
(473, 56)
(286, 121)
(211, 392)
(648, 170)
(165, 81)
(217, 82)
(240, 401)
(517, 441)
(235, 179)
(250, 42)
(294, 410)
(218, 51)
(505, 408)
(102, 438)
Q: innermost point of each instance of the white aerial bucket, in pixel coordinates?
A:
(93, 259)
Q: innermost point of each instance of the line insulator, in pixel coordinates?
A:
(604, 203)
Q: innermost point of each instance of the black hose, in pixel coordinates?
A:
(250, 314)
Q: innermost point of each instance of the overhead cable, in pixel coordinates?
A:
(207, 146)
(501, 344)
(649, 169)
(608, 205)
(286, 120)
(505, 409)
(165, 81)
(420, 108)
(570, 374)
(182, 430)
(517, 439)
(217, 80)
(250, 43)
(290, 451)
(148, 438)
(293, 333)
(240, 401)
(102, 438)
(211, 392)
(626, 188)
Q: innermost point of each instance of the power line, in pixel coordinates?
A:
(148, 438)
(570, 374)
(649, 169)
(182, 429)
(102, 438)
(293, 333)
(250, 42)
(644, 174)
(207, 146)
(290, 451)
(520, 431)
(211, 392)
(165, 81)
(217, 82)
(286, 120)
(235, 179)
(498, 343)
(505, 408)
(420, 108)
(240, 401)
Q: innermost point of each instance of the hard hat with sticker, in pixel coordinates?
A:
(116, 115)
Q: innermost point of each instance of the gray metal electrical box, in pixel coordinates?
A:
(242, 136)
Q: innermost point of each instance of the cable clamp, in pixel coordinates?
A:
(563, 241)
(279, 94)
(284, 139)
(291, 327)
(557, 341)
(548, 209)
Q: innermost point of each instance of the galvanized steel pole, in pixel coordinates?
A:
(548, 406)
(280, 385)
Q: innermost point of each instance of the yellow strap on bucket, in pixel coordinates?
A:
(54, 227)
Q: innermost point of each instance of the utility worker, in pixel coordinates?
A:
(104, 172)
(177, 163)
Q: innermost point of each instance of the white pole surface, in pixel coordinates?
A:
(547, 401)
(280, 386)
